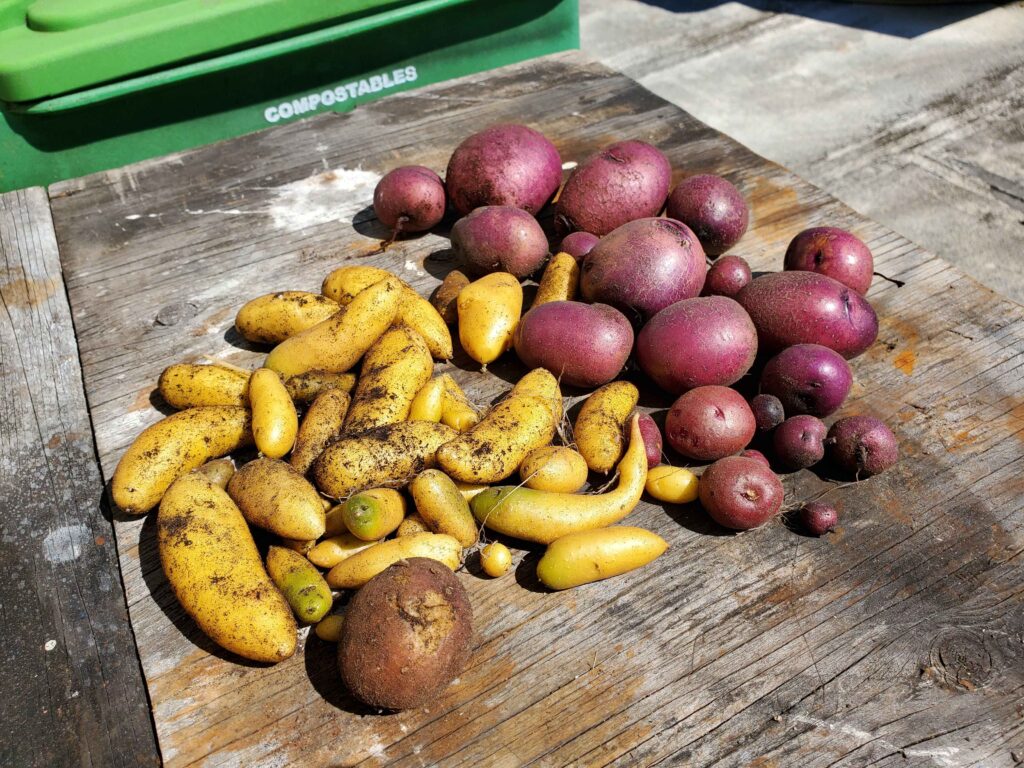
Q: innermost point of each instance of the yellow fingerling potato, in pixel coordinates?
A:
(275, 423)
(601, 424)
(215, 571)
(218, 471)
(412, 524)
(344, 284)
(554, 468)
(272, 318)
(307, 387)
(188, 385)
(588, 556)
(328, 552)
(173, 446)
(543, 516)
(275, 497)
(495, 559)
(388, 456)
(354, 571)
(443, 507)
(321, 424)
(427, 404)
(373, 514)
(336, 344)
(334, 521)
(329, 628)
(560, 280)
(469, 490)
(674, 485)
(395, 368)
(301, 584)
(494, 448)
(445, 297)
(456, 410)
(298, 545)
(489, 311)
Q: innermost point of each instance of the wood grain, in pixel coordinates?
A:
(72, 691)
(896, 640)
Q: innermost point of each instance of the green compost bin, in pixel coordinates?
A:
(87, 85)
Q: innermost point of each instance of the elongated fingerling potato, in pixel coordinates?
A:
(275, 423)
(393, 371)
(215, 571)
(301, 584)
(275, 497)
(561, 280)
(429, 401)
(321, 424)
(388, 456)
(600, 426)
(189, 385)
(173, 446)
(443, 507)
(328, 552)
(354, 571)
(336, 344)
(272, 318)
(489, 311)
(306, 387)
(588, 556)
(544, 516)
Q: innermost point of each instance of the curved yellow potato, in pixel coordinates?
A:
(489, 311)
(560, 280)
(393, 371)
(543, 516)
(344, 284)
(336, 344)
(443, 507)
(429, 401)
(600, 426)
(189, 385)
(274, 317)
(275, 424)
(494, 448)
(328, 552)
(588, 556)
(554, 468)
(456, 410)
(275, 497)
(354, 571)
(307, 387)
(173, 446)
(215, 571)
(321, 424)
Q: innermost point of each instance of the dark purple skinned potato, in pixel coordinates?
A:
(409, 199)
(799, 441)
(708, 423)
(862, 445)
(834, 252)
(768, 412)
(578, 244)
(818, 518)
(696, 342)
(626, 181)
(503, 165)
(753, 453)
(807, 308)
(652, 439)
(808, 378)
(713, 208)
(726, 277)
(584, 345)
(500, 238)
(740, 493)
(643, 266)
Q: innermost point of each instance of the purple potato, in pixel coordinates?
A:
(768, 412)
(808, 378)
(409, 199)
(500, 238)
(726, 277)
(740, 492)
(578, 244)
(818, 518)
(799, 441)
(713, 208)
(708, 423)
(652, 439)
(862, 445)
(834, 252)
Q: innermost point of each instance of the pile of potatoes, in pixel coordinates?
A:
(371, 473)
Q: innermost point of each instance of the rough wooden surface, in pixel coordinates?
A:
(895, 641)
(71, 691)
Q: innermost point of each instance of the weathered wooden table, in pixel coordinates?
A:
(896, 640)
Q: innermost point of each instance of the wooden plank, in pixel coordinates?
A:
(72, 689)
(898, 638)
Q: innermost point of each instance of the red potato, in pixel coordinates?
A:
(713, 208)
(753, 453)
(807, 308)
(409, 199)
(643, 266)
(834, 252)
(585, 345)
(808, 378)
(500, 238)
(727, 276)
(626, 181)
(818, 518)
(708, 423)
(799, 441)
(862, 445)
(578, 244)
(740, 493)
(768, 412)
(696, 342)
(652, 439)
(503, 165)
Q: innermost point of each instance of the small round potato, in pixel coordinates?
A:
(554, 468)
(673, 485)
(495, 559)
